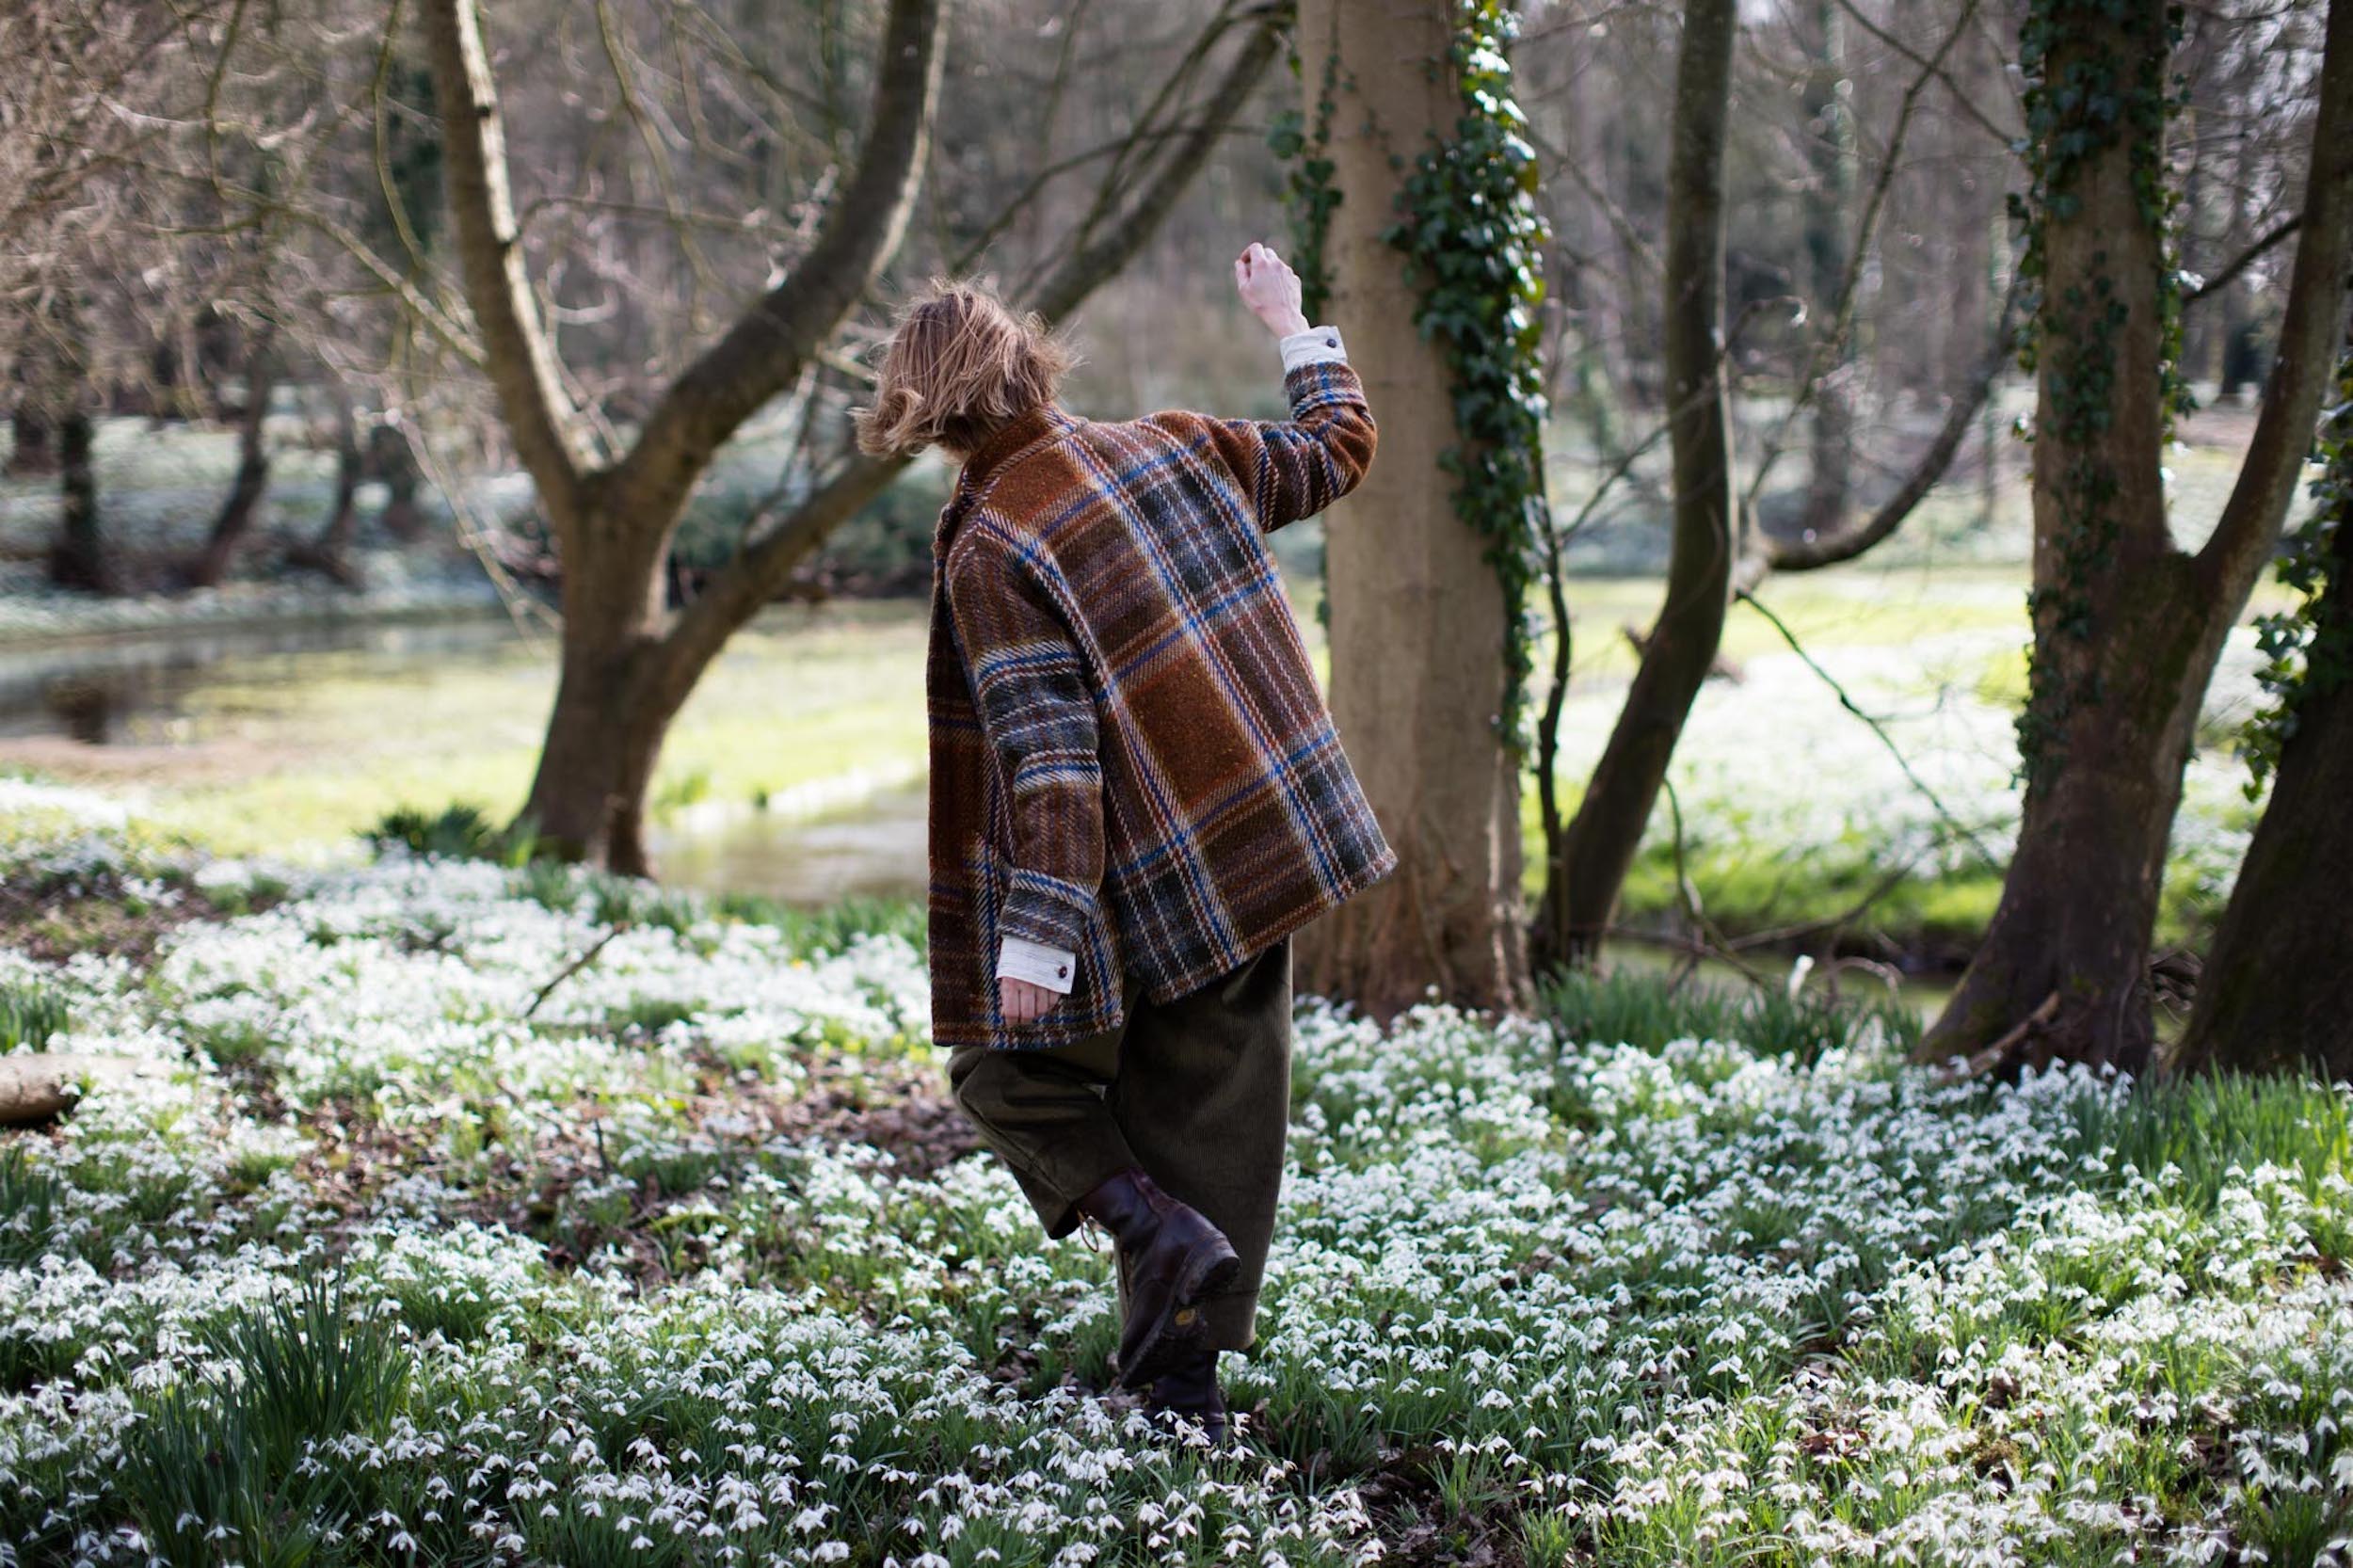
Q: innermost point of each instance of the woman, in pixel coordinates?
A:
(1136, 796)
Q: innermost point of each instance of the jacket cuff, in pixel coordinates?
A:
(1317, 346)
(1051, 968)
(1047, 910)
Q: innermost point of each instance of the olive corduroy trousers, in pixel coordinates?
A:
(1195, 1091)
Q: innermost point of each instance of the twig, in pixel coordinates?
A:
(574, 967)
(1992, 1056)
(2244, 260)
(1962, 100)
(1714, 943)
(1877, 729)
(1821, 357)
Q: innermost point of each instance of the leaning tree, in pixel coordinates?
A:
(2127, 622)
(629, 659)
(2277, 991)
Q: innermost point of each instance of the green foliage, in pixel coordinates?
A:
(1474, 245)
(459, 832)
(833, 928)
(2084, 97)
(677, 791)
(1645, 1011)
(30, 1017)
(229, 1454)
(2203, 1129)
(2308, 651)
(28, 1206)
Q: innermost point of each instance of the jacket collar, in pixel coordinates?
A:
(1017, 434)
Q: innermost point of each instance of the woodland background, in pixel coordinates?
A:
(1848, 631)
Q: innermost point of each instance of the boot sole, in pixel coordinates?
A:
(1205, 1276)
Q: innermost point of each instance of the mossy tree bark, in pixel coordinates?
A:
(1600, 843)
(2127, 625)
(1417, 618)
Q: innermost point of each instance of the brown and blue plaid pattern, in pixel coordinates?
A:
(1130, 758)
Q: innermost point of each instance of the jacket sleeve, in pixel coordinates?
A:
(1295, 468)
(1037, 712)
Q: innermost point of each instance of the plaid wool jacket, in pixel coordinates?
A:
(1130, 758)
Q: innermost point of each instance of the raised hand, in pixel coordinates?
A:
(1271, 289)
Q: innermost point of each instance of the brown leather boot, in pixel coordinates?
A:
(1188, 1389)
(1174, 1257)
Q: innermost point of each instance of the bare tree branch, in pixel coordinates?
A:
(2251, 522)
(756, 573)
(762, 353)
(520, 358)
(1846, 543)
(2245, 259)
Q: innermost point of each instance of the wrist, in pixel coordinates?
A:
(1284, 324)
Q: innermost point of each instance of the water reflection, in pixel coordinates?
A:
(122, 691)
(877, 850)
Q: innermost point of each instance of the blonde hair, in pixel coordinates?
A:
(959, 366)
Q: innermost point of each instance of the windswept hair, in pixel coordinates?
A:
(960, 364)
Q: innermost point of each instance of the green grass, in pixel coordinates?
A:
(30, 1015)
(1629, 1008)
(312, 757)
(235, 1458)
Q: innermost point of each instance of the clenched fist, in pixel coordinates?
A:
(1024, 1003)
(1271, 289)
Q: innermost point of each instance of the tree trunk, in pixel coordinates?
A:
(1828, 202)
(1416, 619)
(211, 566)
(2277, 991)
(629, 663)
(587, 798)
(2127, 627)
(330, 553)
(390, 460)
(78, 558)
(33, 450)
(1601, 841)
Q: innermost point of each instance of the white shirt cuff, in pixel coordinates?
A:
(1037, 963)
(1317, 346)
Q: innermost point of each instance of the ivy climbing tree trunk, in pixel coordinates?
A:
(1418, 623)
(2277, 991)
(2127, 625)
(1599, 845)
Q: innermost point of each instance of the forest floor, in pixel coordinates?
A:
(463, 1214)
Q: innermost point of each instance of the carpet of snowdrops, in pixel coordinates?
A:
(1790, 809)
(448, 1213)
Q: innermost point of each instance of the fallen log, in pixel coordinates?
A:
(41, 1086)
